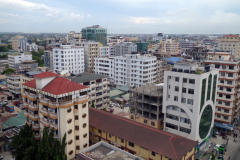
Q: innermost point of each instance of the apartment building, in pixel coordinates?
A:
(104, 51)
(115, 39)
(229, 43)
(138, 139)
(185, 44)
(13, 84)
(112, 51)
(227, 97)
(16, 57)
(19, 42)
(49, 41)
(68, 58)
(189, 100)
(162, 66)
(131, 69)
(146, 105)
(32, 47)
(28, 77)
(125, 48)
(195, 53)
(171, 46)
(28, 65)
(55, 102)
(95, 33)
(99, 94)
(91, 50)
(48, 59)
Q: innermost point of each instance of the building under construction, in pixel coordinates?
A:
(146, 105)
(196, 53)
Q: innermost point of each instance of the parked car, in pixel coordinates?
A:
(1, 157)
(126, 105)
(210, 144)
(210, 158)
(4, 102)
(216, 147)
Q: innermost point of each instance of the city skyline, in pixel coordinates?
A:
(121, 16)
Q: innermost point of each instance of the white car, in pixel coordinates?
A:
(210, 144)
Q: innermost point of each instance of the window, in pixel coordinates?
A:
(221, 88)
(228, 96)
(170, 116)
(153, 153)
(169, 125)
(184, 80)
(177, 79)
(217, 65)
(176, 88)
(190, 101)
(184, 90)
(175, 98)
(225, 117)
(190, 91)
(76, 117)
(69, 120)
(77, 147)
(70, 142)
(71, 152)
(229, 82)
(145, 121)
(227, 103)
(76, 107)
(69, 131)
(77, 128)
(84, 125)
(99, 131)
(221, 81)
(122, 141)
(85, 145)
(131, 144)
(219, 102)
(219, 109)
(218, 115)
(231, 67)
(229, 89)
(109, 135)
(192, 81)
(69, 110)
(77, 137)
(152, 123)
(230, 75)
(84, 115)
(84, 105)
(183, 100)
(182, 129)
(220, 95)
(169, 87)
(222, 74)
(169, 77)
(226, 110)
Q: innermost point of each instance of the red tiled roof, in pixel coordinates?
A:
(45, 75)
(31, 83)
(161, 142)
(62, 85)
(230, 36)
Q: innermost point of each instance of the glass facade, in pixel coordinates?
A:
(203, 93)
(214, 87)
(209, 87)
(205, 122)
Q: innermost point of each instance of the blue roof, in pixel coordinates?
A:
(224, 126)
(173, 59)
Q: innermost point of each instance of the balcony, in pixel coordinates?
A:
(33, 107)
(44, 112)
(31, 96)
(25, 105)
(53, 104)
(33, 117)
(45, 122)
(81, 100)
(55, 126)
(35, 127)
(37, 136)
(53, 115)
(24, 95)
(26, 114)
(44, 101)
(66, 104)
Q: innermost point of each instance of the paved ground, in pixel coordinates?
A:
(7, 155)
(118, 109)
(233, 148)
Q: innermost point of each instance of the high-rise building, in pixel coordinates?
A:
(16, 57)
(19, 43)
(48, 59)
(95, 33)
(230, 43)
(60, 104)
(91, 50)
(185, 44)
(125, 48)
(130, 69)
(32, 47)
(189, 100)
(68, 58)
(227, 96)
(142, 46)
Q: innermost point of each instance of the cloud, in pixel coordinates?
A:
(77, 16)
(5, 21)
(13, 15)
(55, 14)
(169, 14)
(88, 15)
(182, 10)
(142, 20)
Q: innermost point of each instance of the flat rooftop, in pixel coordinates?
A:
(104, 151)
(152, 89)
(86, 77)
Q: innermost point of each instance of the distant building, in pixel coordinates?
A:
(171, 46)
(28, 65)
(49, 41)
(48, 59)
(142, 46)
(32, 47)
(16, 57)
(13, 84)
(68, 58)
(95, 33)
(115, 39)
(19, 42)
(230, 43)
(185, 44)
(125, 48)
(104, 51)
(73, 36)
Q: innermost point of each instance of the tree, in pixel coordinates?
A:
(22, 142)
(93, 106)
(213, 156)
(8, 71)
(6, 66)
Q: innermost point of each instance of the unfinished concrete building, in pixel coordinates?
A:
(161, 67)
(146, 105)
(196, 53)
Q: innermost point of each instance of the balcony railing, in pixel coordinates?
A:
(44, 112)
(55, 126)
(35, 126)
(33, 117)
(45, 122)
(53, 115)
(44, 101)
(32, 107)
(37, 136)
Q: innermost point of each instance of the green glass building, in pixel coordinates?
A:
(96, 34)
(142, 46)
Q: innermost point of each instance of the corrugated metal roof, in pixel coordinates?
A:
(126, 97)
(86, 77)
(115, 92)
(124, 88)
(34, 73)
(15, 121)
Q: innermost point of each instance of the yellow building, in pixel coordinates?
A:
(229, 43)
(171, 46)
(153, 46)
(19, 42)
(138, 139)
(55, 102)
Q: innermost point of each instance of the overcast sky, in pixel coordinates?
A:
(122, 16)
